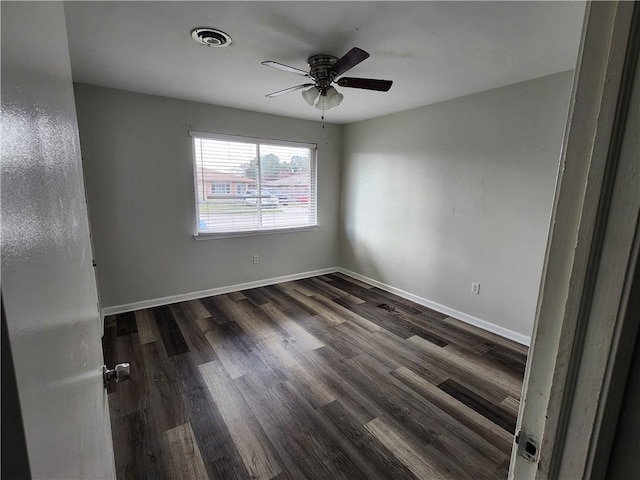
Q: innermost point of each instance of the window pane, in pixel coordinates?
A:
(235, 193)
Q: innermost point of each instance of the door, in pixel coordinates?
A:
(584, 331)
(48, 287)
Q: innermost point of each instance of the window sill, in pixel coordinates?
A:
(215, 236)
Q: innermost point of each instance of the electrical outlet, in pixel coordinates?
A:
(255, 259)
(475, 288)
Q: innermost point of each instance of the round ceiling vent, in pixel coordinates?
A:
(211, 37)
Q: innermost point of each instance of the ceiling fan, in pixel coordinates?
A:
(324, 70)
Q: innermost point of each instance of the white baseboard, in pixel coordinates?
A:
(464, 317)
(159, 302)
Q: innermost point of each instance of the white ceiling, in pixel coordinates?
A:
(431, 50)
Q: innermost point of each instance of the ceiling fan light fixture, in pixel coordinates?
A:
(311, 95)
(323, 103)
(329, 99)
(334, 98)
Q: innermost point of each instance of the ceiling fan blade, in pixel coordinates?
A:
(365, 83)
(286, 68)
(349, 60)
(290, 89)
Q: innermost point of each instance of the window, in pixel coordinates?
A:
(220, 188)
(237, 194)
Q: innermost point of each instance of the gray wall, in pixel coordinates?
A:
(438, 197)
(139, 175)
(48, 286)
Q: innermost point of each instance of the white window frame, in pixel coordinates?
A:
(313, 187)
(226, 187)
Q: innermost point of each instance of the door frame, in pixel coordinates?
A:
(583, 335)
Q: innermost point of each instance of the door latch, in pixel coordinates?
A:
(120, 373)
(528, 446)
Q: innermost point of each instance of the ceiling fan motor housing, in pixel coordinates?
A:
(320, 70)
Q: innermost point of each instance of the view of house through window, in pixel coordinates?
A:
(245, 184)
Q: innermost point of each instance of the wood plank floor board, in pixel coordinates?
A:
(321, 330)
(296, 334)
(394, 397)
(196, 308)
(382, 317)
(508, 360)
(136, 447)
(511, 405)
(447, 335)
(296, 437)
(341, 276)
(219, 453)
(276, 357)
(255, 395)
(257, 454)
(320, 378)
(378, 296)
(358, 405)
(126, 324)
(346, 314)
(457, 335)
(502, 368)
(420, 466)
(329, 291)
(314, 286)
(387, 464)
(493, 412)
(458, 410)
(147, 329)
(314, 307)
(435, 422)
(212, 305)
(409, 355)
(199, 348)
(298, 286)
(489, 338)
(366, 343)
(405, 405)
(237, 296)
(172, 338)
(288, 299)
(165, 403)
(256, 324)
(236, 352)
(181, 455)
(110, 321)
(257, 296)
(459, 460)
(464, 372)
(363, 467)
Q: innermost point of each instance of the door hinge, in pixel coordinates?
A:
(528, 446)
(95, 264)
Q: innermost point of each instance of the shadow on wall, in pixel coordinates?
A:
(361, 260)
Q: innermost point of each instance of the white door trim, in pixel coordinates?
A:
(591, 254)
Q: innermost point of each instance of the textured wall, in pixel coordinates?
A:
(139, 173)
(438, 197)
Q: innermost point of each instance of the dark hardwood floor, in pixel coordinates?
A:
(322, 378)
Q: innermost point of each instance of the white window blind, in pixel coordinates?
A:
(246, 185)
